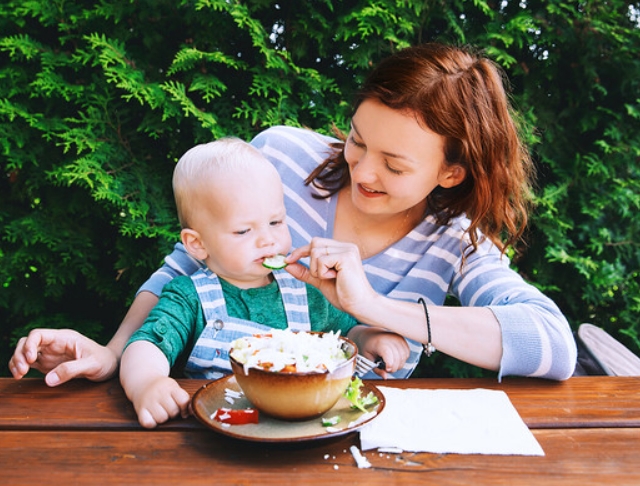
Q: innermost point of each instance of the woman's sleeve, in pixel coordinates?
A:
(179, 262)
(537, 340)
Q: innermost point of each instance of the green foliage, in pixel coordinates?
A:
(582, 81)
(99, 99)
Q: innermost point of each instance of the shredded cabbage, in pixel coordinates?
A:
(288, 351)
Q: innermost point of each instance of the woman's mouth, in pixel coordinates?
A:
(366, 192)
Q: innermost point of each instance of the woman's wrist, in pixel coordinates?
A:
(402, 317)
(429, 348)
(369, 311)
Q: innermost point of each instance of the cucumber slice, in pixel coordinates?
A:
(331, 421)
(275, 262)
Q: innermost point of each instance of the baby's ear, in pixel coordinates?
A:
(193, 243)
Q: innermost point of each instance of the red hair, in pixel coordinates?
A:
(460, 96)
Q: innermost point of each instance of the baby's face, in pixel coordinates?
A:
(243, 222)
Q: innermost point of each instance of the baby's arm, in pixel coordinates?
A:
(374, 343)
(144, 375)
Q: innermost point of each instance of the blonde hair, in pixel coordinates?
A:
(200, 165)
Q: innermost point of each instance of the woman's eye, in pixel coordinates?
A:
(393, 171)
(355, 143)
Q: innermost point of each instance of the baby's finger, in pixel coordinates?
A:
(146, 419)
(382, 373)
(182, 399)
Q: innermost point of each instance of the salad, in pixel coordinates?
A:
(290, 352)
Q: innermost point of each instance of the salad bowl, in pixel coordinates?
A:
(293, 388)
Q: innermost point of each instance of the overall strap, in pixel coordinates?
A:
(294, 297)
(210, 355)
(209, 358)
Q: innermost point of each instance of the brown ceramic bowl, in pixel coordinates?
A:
(296, 396)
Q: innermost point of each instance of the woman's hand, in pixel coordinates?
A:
(62, 354)
(335, 268)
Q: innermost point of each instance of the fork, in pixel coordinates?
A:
(364, 365)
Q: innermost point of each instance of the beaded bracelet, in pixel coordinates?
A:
(429, 348)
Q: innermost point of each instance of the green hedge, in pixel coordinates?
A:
(99, 99)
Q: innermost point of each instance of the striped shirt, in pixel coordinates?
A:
(536, 338)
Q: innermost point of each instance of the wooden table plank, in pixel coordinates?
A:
(573, 456)
(578, 402)
(87, 432)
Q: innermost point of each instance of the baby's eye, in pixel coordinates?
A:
(242, 232)
(276, 222)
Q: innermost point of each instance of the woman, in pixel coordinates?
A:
(421, 201)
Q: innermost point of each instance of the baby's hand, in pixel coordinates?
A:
(159, 401)
(389, 346)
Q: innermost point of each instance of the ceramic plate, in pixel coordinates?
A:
(211, 397)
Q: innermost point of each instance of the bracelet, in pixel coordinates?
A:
(428, 348)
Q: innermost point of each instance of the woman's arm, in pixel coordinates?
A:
(520, 332)
(64, 354)
(470, 334)
(138, 312)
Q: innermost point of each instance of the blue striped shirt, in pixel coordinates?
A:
(536, 338)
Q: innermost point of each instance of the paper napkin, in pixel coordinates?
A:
(475, 421)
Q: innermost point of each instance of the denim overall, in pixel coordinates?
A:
(209, 358)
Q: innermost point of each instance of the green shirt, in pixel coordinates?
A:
(177, 321)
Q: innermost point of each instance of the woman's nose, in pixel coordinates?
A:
(364, 169)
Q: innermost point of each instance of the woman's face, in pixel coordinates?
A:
(394, 162)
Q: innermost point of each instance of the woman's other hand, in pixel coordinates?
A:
(62, 354)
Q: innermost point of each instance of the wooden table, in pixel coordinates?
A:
(87, 433)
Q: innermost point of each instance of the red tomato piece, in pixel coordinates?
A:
(236, 417)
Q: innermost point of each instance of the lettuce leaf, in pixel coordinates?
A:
(352, 393)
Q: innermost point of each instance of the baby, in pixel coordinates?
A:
(230, 203)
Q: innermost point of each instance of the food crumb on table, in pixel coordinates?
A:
(361, 461)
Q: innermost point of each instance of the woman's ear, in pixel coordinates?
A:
(452, 176)
(193, 243)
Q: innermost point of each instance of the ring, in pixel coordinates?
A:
(326, 250)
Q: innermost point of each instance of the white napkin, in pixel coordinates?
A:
(449, 421)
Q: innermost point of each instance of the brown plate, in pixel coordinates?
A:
(211, 397)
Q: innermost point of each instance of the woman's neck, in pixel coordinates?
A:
(372, 233)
